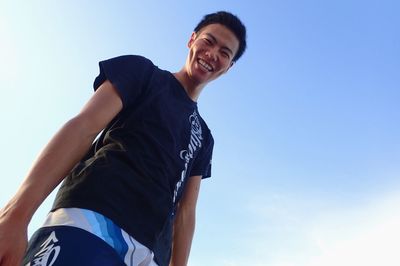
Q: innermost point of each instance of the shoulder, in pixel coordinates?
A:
(206, 132)
(130, 60)
(128, 69)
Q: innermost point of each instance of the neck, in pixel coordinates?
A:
(192, 88)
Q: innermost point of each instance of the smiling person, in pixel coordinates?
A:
(129, 196)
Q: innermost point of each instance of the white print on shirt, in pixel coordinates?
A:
(48, 249)
(194, 144)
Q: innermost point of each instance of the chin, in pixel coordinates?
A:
(198, 78)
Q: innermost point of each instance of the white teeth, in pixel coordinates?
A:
(205, 65)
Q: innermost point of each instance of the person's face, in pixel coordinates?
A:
(211, 51)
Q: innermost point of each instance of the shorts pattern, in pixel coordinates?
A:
(128, 250)
(66, 246)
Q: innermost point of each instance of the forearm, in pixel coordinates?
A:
(184, 227)
(64, 150)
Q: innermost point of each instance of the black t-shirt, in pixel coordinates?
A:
(136, 170)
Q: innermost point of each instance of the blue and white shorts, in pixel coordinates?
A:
(73, 236)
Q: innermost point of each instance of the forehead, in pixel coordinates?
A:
(223, 35)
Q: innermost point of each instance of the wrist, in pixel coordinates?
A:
(14, 212)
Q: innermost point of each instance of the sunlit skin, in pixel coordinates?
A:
(211, 53)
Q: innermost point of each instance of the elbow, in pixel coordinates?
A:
(80, 126)
(186, 217)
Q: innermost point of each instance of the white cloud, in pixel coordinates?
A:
(369, 237)
(8, 54)
(349, 236)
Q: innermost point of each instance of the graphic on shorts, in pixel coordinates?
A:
(48, 253)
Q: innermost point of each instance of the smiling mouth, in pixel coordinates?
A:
(205, 65)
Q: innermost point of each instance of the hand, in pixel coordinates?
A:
(13, 241)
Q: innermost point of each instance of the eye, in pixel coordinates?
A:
(207, 41)
(226, 55)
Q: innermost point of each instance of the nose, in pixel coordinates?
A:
(212, 54)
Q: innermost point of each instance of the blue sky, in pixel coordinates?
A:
(305, 167)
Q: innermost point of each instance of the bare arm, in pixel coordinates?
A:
(60, 155)
(185, 223)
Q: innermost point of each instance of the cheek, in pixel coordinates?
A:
(225, 66)
(194, 51)
(198, 47)
(226, 62)
(191, 56)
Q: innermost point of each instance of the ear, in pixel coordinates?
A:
(192, 39)
(231, 65)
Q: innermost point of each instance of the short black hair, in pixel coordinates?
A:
(232, 22)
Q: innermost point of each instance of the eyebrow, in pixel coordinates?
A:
(215, 40)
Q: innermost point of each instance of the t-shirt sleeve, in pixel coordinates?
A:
(202, 163)
(129, 74)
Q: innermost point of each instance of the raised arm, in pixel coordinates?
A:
(185, 223)
(59, 156)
